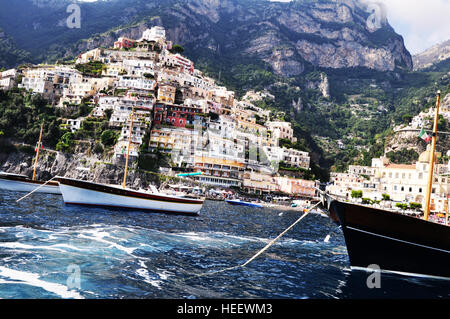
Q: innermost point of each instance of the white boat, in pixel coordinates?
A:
(21, 183)
(239, 202)
(77, 192)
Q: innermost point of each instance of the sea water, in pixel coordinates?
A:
(50, 250)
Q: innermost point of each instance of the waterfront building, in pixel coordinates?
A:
(219, 172)
(259, 184)
(298, 187)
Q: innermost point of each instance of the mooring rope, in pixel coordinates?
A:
(34, 190)
(262, 250)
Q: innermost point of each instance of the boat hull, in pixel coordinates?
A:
(77, 192)
(393, 242)
(17, 184)
(240, 203)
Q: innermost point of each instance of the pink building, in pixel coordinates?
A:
(123, 42)
(299, 187)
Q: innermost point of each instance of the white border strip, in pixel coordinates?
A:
(410, 274)
(399, 240)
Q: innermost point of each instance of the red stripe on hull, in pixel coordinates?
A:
(133, 208)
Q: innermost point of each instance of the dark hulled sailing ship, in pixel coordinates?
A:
(394, 242)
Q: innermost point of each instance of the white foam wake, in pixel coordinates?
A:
(32, 279)
(56, 247)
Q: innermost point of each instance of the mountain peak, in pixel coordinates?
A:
(433, 55)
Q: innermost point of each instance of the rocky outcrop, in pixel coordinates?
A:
(79, 165)
(404, 137)
(404, 140)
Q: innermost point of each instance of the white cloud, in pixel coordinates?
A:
(421, 23)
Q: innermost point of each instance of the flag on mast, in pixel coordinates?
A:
(41, 146)
(423, 135)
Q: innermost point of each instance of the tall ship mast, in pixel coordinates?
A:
(392, 241)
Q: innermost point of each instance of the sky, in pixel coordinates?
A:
(422, 23)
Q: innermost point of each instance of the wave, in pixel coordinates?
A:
(32, 279)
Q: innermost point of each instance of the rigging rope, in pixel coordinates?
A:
(35, 190)
(262, 250)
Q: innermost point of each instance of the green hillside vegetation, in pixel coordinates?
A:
(404, 156)
(10, 54)
(22, 113)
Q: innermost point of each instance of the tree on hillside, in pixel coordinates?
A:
(176, 48)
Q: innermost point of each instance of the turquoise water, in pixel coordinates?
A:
(49, 250)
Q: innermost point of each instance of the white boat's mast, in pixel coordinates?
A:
(37, 152)
(128, 150)
(431, 166)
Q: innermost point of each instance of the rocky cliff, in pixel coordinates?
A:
(286, 36)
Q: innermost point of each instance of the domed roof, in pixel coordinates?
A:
(425, 156)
